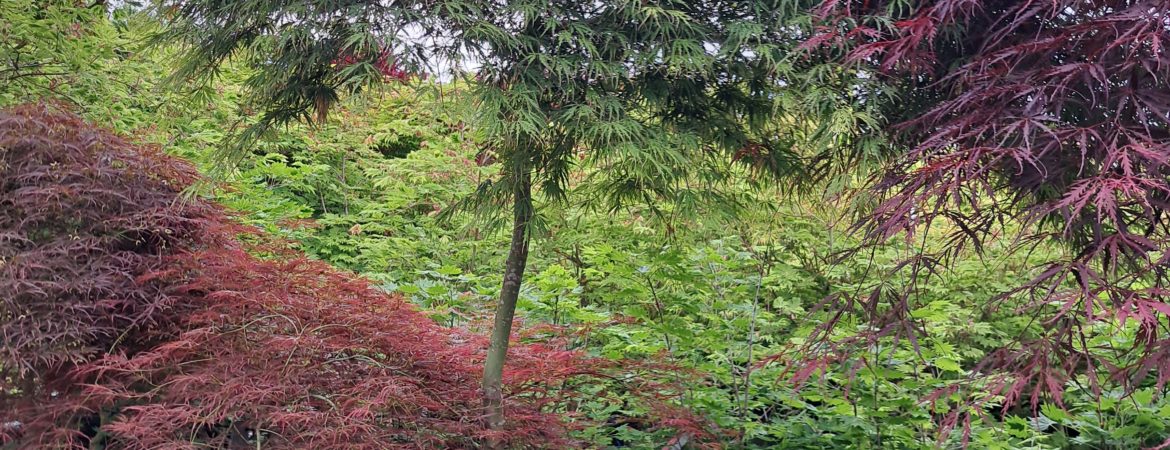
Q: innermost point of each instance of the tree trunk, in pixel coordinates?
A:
(493, 370)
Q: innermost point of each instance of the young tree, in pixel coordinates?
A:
(660, 92)
(1050, 113)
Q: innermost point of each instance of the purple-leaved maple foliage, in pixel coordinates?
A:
(134, 318)
(1046, 119)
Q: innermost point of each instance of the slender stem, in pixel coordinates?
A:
(493, 371)
(747, 376)
(660, 309)
(556, 309)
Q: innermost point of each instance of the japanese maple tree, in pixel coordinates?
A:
(659, 93)
(1048, 114)
(136, 319)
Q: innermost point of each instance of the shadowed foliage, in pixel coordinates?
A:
(85, 217)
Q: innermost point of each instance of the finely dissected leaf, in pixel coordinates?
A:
(148, 320)
(1050, 114)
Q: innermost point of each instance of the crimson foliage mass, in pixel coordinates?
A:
(1047, 113)
(136, 319)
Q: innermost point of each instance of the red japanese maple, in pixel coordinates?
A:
(135, 319)
(1050, 113)
(382, 61)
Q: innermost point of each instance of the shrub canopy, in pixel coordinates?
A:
(134, 318)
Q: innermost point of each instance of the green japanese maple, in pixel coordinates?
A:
(665, 95)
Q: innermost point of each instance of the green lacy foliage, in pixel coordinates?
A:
(631, 292)
(725, 298)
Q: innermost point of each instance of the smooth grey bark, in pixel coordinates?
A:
(493, 370)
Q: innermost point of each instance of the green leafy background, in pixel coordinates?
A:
(723, 294)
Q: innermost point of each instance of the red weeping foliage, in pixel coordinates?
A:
(383, 62)
(135, 319)
(1052, 113)
(84, 216)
